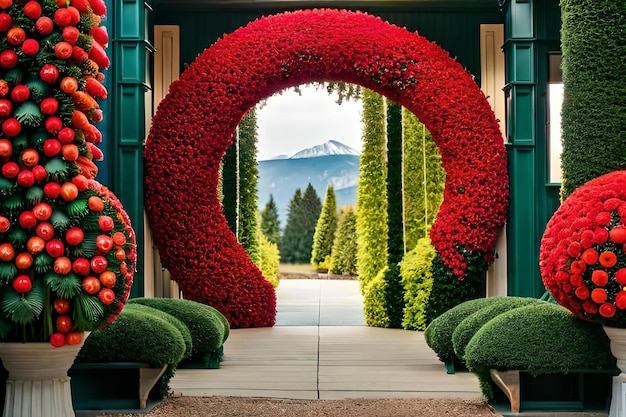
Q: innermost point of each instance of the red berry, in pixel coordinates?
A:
(22, 284)
(51, 147)
(27, 219)
(11, 127)
(62, 17)
(32, 10)
(26, 178)
(49, 73)
(57, 339)
(8, 59)
(52, 189)
(55, 248)
(20, 93)
(10, 170)
(6, 22)
(53, 125)
(30, 47)
(44, 25)
(40, 173)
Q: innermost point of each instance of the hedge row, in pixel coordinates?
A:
(186, 330)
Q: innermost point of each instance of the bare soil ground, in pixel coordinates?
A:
(261, 407)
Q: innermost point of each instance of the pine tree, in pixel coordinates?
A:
(371, 191)
(291, 234)
(248, 227)
(270, 225)
(343, 259)
(325, 229)
(302, 214)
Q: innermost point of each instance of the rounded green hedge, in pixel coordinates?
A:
(180, 326)
(468, 327)
(137, 335)
(438, 334)
(209, 328)
(541, 339)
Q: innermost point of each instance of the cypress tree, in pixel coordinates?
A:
(248, 231)
(270, 225)
(594, 91)
(423, 182)
(343, 258)
(371, 191)
(325, 229)
(393, 288)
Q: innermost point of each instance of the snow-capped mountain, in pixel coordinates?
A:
(332, 147)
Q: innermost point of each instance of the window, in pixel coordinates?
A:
(555, 99)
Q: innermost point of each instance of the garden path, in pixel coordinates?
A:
(321, 348)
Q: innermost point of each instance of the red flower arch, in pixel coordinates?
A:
(195, 123)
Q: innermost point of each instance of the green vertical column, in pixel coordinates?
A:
(523, 242)
(128, 116)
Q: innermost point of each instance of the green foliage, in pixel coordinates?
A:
(448, 291)
(417, 278)
(594, 95)
(472, 323)
(270, 225)
(230, 185)
(302, 214)
(131, 338)
(395, 227)
(424, 179)
(325, 229)
(394, 295)
(541, 339)
(438, 334)
(247, 233)
(343, 260)
(371, 192)
(269, 260)
(374, 302)
(208, 326)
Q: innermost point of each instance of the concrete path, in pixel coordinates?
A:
(321, 348)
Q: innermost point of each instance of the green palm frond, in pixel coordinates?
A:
(59, 219)
(43, 263)
(17, 237)
(8, 271)
(90, 223)
(89, 243)
(34, 195)
(88, 310)
(7, 186)
(23, 308)
(66, 286)
(77, 208)
(13, 203)
(57, 170)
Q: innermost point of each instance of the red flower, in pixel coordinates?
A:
(195, 122)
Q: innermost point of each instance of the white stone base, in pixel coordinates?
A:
(46, 398)
(618, 399)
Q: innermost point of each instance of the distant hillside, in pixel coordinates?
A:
(281, 178)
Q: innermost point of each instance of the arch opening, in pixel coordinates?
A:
(195, 122)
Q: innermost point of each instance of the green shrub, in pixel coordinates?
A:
(209, 328)
(541, 339)
(374, 302)
(394, 296)
(180, 326)
(417, 278)
(438, 334)
(468, 327)
(448, 290)
(269, 260)
(137, 335)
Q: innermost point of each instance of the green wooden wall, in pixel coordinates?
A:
(457, 32)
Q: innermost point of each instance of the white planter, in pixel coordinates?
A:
(38, 385)
(618, 349)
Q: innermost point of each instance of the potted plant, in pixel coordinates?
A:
(583, 260)
(67, 249)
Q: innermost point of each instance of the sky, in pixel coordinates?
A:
(288, 122)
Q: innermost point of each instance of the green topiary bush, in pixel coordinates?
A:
(137, 335)
(374, 302)
(180, 326)
(541, 339)
(468, 327)
(417, 278)
(438, 334)
(209, 328)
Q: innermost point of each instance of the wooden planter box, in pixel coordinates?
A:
(579, 390)
(116, 386)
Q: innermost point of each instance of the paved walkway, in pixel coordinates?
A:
(321, 348)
